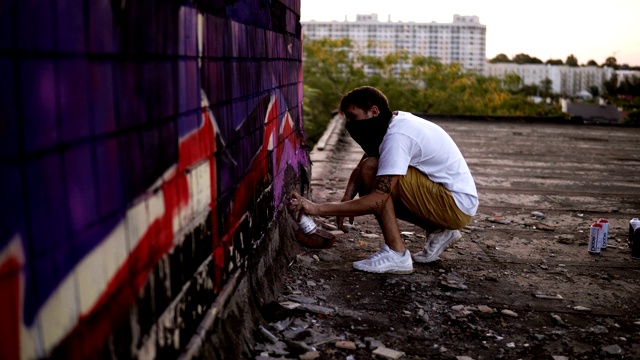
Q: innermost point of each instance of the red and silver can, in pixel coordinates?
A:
(604, 234)
(594, 238)
(633, 225)
(307, 225)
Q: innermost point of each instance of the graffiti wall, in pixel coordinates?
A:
(145, 149)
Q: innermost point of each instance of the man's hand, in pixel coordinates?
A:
(298, 206)
(340, 219)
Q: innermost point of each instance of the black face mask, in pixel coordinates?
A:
(369, 133)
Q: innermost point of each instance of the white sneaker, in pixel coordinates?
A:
(386, 261)
(436, 243)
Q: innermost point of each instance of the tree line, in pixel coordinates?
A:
(412, 83)
(571, 60)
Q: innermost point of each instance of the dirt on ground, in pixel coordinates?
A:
(520, 284)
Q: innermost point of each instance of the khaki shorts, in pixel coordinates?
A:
(417, 196)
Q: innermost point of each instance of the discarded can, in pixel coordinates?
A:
(633, 225)
(604, 234)
(307, 225)
(594, 238)
(634, 238)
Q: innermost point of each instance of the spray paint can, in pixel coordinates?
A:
(307, 225)
(594, 238)
(633, 225)
(604, 234)
(634, 238)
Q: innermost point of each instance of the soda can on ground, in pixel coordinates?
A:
(604, 234)
(634, 238)
(633, 225)
(594, 238)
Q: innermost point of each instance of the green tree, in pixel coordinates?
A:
(595, 91)
(592, 63)
(512, 82)
(330, 68)
(500, 58)
(546, 86)
(571, 61)
(611, 62)
(526, 59)
(554, 62)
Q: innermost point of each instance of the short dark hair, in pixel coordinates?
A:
(364, 97)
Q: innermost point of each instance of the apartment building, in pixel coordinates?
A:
(462, 41)
(565, 80)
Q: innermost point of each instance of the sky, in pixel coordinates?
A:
(546, 29)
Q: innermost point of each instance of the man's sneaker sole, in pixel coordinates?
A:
(390, 271)
(423, 259)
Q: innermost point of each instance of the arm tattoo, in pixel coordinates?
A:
(383, 184)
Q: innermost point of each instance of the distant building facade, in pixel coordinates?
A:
(565, 80)
(462, 41)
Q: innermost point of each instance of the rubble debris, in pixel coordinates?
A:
(508, 313)
(372, 343)
(498, 220)
(268, 334)
(346, 345)
(485, 309)
(559, 320)
(548, 296)
(388, 353)
(310, 355)
(612, 349)
(289, 304)
(581, 308)
(316, 309)
(599, 329)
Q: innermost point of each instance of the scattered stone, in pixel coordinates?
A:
(347, 313)
(508, 313)
(279, 348)
(329, 226)
(612, 349)
(538, 214)
(298, 346)
(329, 255)
(498, 220)
(485, 309)
(566, 239)
(310, 355)
(464, 358)
(336, 232)
(599, 329)
(453, 281)
(346, 345)
(304, 260)
(559, 357)
(289, 304)
(559, 320)
(539, 337)
(548, 296)
(511, 345)
(490, 245)
(581, 308)
(636, 322)
(372, 343)
(407, 233)
(281, 325)
(311, 283)
(388, 353)
(370, 236)
(268, 334)
(301, 299)
(317, 309)
(545, 227)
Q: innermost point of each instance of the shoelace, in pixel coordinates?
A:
(378, 254)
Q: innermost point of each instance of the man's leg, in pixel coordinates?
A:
(393, 257)
(364, 180)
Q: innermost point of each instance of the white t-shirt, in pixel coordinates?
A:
(413, 141)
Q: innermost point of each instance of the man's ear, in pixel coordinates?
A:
(374, 110)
